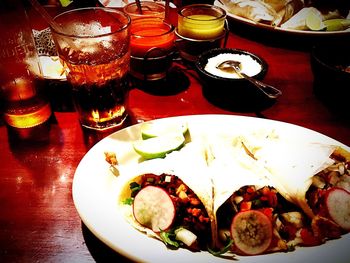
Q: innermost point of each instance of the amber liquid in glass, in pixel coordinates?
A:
(23, 102)
(100, 91)
(27, 108)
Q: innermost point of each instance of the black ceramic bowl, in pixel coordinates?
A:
(236, 94)
(331, 80)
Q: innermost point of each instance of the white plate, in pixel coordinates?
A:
(278, 29)
(95, 194)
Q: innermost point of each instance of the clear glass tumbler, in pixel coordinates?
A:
(93, 45)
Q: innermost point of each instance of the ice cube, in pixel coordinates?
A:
(95, 28)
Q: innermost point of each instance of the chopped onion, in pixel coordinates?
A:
(185, 236)
(167, 179)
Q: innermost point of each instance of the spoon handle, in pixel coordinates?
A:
(269, 90)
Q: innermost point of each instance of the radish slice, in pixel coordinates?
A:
(338, 205)
(153, 208)
(251, 232)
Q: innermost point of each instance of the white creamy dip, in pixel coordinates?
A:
(249, 65)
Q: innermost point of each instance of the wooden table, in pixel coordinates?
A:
(38, 220)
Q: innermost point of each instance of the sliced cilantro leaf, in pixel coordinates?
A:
(168, 238)
(257, 203)
(223, 250)
(134, 187)
(128, 201)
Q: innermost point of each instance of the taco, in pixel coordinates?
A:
(317, 179)
(166, 201)
(248, 194)
(329, 197)
(250, 208)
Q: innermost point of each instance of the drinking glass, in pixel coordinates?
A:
(25, 106)
(93, 46)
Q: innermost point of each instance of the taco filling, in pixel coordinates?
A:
(260, 220)
(329, 199)
(167, 206)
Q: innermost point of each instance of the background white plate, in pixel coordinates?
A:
(278, 29)
(95, 194)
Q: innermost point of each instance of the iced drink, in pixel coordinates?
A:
(93, 46)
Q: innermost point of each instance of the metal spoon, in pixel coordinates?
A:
(232, 66)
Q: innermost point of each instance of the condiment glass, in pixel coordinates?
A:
(200, 27)
(152, 45)
(149, 9)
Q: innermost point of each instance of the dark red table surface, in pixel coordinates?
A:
(38, 220)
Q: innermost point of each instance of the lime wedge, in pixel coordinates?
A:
(337, 24)
(314, 20)
(151, 130)
(66, 3)
(158, 147)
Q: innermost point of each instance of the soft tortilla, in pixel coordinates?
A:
(292, 164)
(231, 168)
(263, 159)
(177, 163)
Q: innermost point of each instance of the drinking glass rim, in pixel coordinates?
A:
(171, 27)
(144, 3)
(207, 6)
(106, 9)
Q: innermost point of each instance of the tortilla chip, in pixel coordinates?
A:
(272, 12)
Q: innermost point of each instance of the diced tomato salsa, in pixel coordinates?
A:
(268, 201)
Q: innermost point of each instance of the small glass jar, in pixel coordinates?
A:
(152, 45)
(200, 27)
(201, 21)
